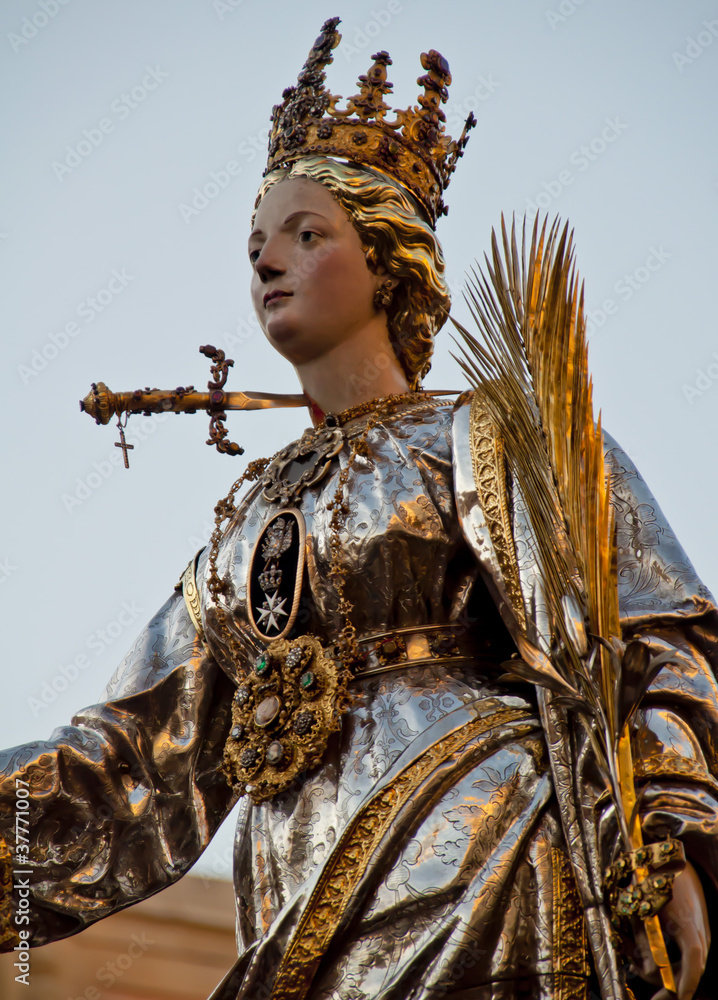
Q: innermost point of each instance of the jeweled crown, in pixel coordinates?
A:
(413, 148)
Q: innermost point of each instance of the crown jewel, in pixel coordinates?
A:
(413, 148)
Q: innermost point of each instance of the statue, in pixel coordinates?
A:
(413, 823)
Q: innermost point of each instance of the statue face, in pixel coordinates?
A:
(311, 286)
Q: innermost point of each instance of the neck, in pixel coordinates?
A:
(349, 375)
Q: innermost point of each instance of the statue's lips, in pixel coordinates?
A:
(276, 296)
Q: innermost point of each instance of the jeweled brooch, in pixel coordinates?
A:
(283, 714)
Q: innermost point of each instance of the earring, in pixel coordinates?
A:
(384, 294)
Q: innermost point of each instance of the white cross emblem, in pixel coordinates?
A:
(272, 609)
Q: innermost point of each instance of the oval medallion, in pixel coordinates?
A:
(275, 575)
(267, 711)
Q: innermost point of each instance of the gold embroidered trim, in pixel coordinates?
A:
(487, 462)
(670, 765)
(190, 592)
(342, 874)
(570, 956)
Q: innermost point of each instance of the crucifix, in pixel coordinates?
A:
(124, 445)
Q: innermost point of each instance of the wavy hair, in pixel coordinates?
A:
(394, 236)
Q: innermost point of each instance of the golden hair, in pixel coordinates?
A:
(396, 237)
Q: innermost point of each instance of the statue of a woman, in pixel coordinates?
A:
(334, 656)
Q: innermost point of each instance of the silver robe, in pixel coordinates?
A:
(426, 857)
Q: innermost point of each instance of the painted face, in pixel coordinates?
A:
(311, 287)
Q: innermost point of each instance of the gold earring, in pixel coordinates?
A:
(384, 294)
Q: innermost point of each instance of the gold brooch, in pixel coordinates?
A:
(301, 465)
(282, 716)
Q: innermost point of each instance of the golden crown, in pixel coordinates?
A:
(413, 148)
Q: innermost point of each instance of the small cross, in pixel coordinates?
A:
(125, 447)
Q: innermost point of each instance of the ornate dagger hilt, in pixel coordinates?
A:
(217, 416)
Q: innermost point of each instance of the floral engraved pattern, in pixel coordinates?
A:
(653, 569)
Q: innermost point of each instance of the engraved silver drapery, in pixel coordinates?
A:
(440, 774)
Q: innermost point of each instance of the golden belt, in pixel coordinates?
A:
(415, 646)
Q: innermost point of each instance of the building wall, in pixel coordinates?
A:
(175, 946)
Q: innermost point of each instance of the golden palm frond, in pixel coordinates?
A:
(531, 363)
(533, 367)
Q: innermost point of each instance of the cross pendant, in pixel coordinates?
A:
(125, 447)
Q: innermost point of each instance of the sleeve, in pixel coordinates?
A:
(675, 732)
(123, 801)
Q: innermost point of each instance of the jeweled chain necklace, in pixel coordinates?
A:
(346, 644)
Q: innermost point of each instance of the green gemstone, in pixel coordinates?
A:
(308, 680)
(262, 665)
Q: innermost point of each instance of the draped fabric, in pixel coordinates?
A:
(426, 856)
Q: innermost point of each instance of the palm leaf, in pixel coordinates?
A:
(531, 363)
